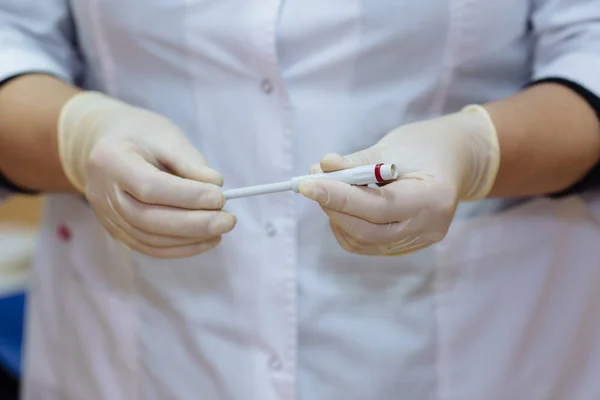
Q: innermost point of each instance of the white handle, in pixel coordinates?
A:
(363, 175)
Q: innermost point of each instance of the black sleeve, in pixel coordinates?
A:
(5, 183)
(592, 179)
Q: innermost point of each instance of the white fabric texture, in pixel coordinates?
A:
(17, 249)
(505, 307)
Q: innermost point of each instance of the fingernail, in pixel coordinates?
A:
(315, 169)
(212, 176)
(334, 162)
(213, 199)
(312, 190)
(222, 224)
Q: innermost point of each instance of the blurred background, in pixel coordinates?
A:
(19, 218)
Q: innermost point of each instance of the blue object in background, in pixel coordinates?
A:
(12, 309)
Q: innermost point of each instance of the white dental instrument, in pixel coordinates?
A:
(364, 175)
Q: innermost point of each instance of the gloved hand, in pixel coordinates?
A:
(440, 161)
(147, 184)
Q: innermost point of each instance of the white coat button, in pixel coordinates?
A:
(270, 229)
(266, 86)
(275, 363)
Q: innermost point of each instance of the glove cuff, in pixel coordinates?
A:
(484, 156)
(77, 132)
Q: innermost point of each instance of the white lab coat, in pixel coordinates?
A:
(507, 307)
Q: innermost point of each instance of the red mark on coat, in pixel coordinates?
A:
(64, 233)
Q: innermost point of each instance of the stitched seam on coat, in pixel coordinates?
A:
(451, 47)
(456, 18)
(107, 73)
(105, 59)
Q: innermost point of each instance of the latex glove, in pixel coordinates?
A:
(441, 161)
(147, 184)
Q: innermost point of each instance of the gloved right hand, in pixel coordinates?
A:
(147, 184)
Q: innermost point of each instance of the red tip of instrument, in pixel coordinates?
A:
(378, 173)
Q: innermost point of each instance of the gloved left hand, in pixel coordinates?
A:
(148, 186)
(441, 161)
